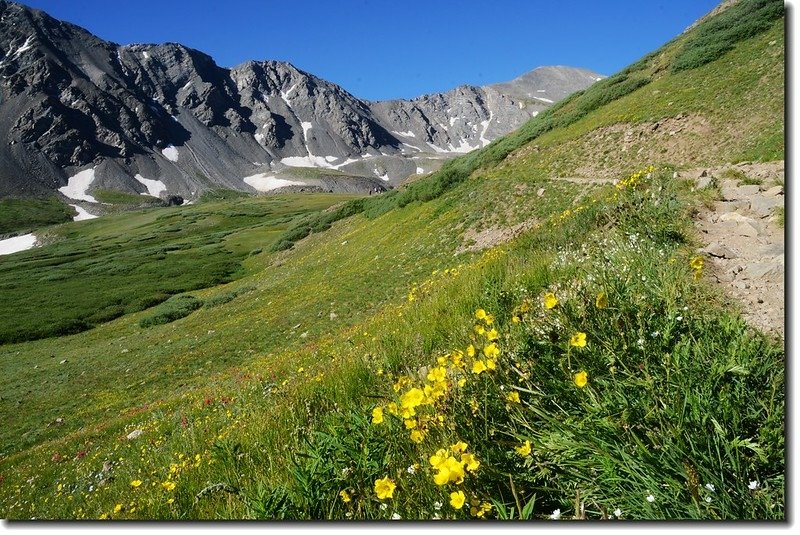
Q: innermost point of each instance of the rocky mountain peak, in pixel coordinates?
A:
(71, 103)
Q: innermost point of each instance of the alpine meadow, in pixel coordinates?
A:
(582, 319)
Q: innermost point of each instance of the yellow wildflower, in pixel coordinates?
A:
(345, 496)
(492, 335)
(392, 408)
(449, 471)
(117, 508)
(168, 485)
(384, 488)
(437, 374)
(410, 424)
(490, 364)
(550, 300)
(457, 499)
(601, 301)
(513, 397)
(458, 447)
(696, 262)
(480, 314)
(580, 379)
(524, 449)
(412, 398)
(377, 415)
(417, 436)
(104, 516)
(438, 458)
(471, 351)
(491, 351)
(479, 509)
(489, 319)
(478, 367)
(457, 359)
(578, 340)
(135, 483)
(407, 412)
(470, 462)
(479, 329)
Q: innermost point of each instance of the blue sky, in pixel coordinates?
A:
(396, 49)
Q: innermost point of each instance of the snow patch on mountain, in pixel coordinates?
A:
(265, 182)
(154, 187)
(78, 185)
(170, 153)
(82, 214)
(17, 244)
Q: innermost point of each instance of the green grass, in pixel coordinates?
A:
(98, 270)
(18, 216)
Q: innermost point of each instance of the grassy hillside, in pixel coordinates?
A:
(491, 342)
(94, 271)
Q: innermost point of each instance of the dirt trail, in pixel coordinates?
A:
(743, 241)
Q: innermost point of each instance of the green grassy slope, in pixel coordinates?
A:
(18, 216)
(95, 271)
(263, 406)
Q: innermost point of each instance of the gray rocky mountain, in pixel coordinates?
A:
(80, 114)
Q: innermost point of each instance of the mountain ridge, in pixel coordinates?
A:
(73, 102)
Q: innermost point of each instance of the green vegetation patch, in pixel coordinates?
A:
(720, 34)
(124, 263)
(174, 308)
(18, 216)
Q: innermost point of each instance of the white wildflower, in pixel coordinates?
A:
(437, 505)
(395, 516)
(617, 512)
(384, 506)
(753, 485)
(556, 514)
(711, 487)
(708, 499)
(411, 470)
(651, 498)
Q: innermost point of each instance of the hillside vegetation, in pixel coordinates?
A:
(510, 337)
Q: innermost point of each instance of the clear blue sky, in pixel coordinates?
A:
(396, 49)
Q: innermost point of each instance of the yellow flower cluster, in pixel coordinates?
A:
(696, 263)
(478, 509)
(635, 178)
(422, 289)
(450, 466)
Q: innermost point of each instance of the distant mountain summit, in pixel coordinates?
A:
(79, 113)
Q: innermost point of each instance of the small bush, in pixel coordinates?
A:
(174, 308)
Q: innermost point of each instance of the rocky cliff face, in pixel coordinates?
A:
(80, 113)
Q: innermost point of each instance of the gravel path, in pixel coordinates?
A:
(743, 239)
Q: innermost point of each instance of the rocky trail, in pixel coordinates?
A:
(743, 238)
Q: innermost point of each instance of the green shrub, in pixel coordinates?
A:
(174, 308)
(720, 34)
